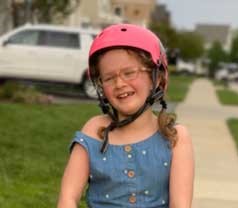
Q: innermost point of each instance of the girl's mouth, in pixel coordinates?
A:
(125, 95)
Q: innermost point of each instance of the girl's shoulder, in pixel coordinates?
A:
(182, 133)
(88, 135)
(92, 126)
(184, 139)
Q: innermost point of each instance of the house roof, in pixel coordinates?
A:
(212, 32)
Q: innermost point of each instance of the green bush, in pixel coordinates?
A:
(16, 92)
(8, 89)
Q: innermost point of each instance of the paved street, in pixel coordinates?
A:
(216, 180)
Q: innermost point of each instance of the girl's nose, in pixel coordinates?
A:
(119, 82)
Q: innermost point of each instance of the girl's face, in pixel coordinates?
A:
(125, 81)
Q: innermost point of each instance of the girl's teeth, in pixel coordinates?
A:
(125, 95)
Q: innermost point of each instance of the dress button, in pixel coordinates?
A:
(131, 174)
(144, 152)
(146, 192)
(127, 148)
(132, 199)
(165, 164)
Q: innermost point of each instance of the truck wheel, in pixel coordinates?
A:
(89, 89)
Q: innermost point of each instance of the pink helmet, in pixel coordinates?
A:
(131, 36)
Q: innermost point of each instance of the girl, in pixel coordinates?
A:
(129, 157)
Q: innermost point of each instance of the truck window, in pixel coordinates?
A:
(26, 37)
(59, 39)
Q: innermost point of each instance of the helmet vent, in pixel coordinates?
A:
(123, 29)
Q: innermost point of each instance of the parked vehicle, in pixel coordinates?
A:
(221, 75)
(47, 53)
(227, 72)
(186, 68)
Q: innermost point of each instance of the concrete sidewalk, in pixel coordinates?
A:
(216, 179)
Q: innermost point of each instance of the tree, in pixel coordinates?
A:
(166, 33)
(190, 45)
(234, 50)
(216, 54)
(186, 45)
(45, 10)
(169, 38)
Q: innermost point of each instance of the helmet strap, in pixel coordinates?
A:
(117, 124)
(105, 105)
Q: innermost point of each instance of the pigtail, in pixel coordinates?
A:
(166, 123)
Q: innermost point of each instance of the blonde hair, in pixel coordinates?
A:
(166, 121)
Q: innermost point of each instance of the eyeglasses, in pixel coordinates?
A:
(126, 74)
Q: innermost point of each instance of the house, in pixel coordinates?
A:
(133, 11)
(91, 13)
(215, 32)
(5, 16)
(101, 13)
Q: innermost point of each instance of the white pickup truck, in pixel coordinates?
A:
(47, 53)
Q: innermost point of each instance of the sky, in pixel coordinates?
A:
(185, 14)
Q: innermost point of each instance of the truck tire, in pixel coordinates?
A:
(89, 89)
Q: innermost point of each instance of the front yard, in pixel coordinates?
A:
(178, 88)
(233, 127)
(34, 143)
(229, 97)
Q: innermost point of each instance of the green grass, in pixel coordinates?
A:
(227, 97)
(233, 126)
(34, 141)
(178, 87)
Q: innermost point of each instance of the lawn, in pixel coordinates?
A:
(233, 126)
(178, 87)
(34, 141)
(227, 96)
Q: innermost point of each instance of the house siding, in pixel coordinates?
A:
(5, 16)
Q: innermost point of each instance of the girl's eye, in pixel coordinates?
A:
(129, 73)
(108, 79)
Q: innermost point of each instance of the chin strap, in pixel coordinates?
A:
(117, 124)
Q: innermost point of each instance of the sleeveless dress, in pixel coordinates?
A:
(131, 175)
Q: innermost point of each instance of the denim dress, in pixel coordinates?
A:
(131, 175)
